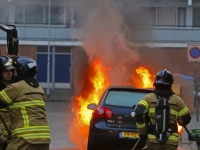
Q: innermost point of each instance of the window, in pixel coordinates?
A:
(34, 14)
(19, 13)
(77, 18)
(4, 13)
(63, 49)
(124, 98)
(167, 16)
(181, 16)
(39, 14)
(43, 49)
(57, 14)
(196, 16)
(60, 64)
(68, 13)
(147, 16)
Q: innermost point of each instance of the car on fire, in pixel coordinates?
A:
(111, 125)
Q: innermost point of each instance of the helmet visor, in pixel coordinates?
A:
(8, 65)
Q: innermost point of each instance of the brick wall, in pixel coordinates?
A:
(29, 51)
(173, 59)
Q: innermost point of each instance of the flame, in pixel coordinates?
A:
(95, 82)
(180, 129)
(99, 84)
(146, 77)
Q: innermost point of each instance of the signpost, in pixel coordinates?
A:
(48, 58)
(193, 53)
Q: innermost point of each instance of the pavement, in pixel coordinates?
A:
(59, 115)
(185, 144)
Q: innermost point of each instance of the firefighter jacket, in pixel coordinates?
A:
(26, 108)
(4, 113)
(146, 109)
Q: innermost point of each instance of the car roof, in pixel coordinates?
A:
(123, 87)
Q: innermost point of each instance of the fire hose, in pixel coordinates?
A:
(136, 144)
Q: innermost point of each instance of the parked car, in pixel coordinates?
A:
(111, 125)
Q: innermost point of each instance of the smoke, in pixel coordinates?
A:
(105, 37)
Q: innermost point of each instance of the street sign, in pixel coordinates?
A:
(193, 51)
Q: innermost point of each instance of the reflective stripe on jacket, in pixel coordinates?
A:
(147, 106)
(27, 112)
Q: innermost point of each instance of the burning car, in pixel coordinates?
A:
(111, 125)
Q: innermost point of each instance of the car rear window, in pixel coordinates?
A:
(124, 98)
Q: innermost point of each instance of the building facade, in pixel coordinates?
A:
(171, 24)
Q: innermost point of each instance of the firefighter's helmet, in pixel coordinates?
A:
(25, 66)
(164, 77)
(5, 63)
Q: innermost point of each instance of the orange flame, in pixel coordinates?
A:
(146, 77)
(99, 84)
(95, 82)
(180, 129)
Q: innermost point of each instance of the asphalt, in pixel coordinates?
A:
(185, 144)
(59, 116)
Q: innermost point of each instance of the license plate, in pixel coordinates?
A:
(124, 134)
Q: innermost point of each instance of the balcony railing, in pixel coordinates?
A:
(145, 34)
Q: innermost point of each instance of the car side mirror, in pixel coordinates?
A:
(91, 106)
(12, 42)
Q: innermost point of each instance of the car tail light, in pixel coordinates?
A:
(102, 112)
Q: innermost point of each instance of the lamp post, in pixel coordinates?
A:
(48, 59)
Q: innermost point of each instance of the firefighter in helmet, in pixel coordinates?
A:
(24, 98)
(148, 108)
(6, 74)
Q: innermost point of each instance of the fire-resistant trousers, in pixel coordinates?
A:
(21, 144)
(160, 146)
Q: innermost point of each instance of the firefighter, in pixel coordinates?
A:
(24, 98)
(145, 113)
(6, 74)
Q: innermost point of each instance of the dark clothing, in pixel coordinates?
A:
(167, 92)
(160, 146)
(2, 85)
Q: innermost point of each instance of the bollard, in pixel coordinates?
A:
(195, 133)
